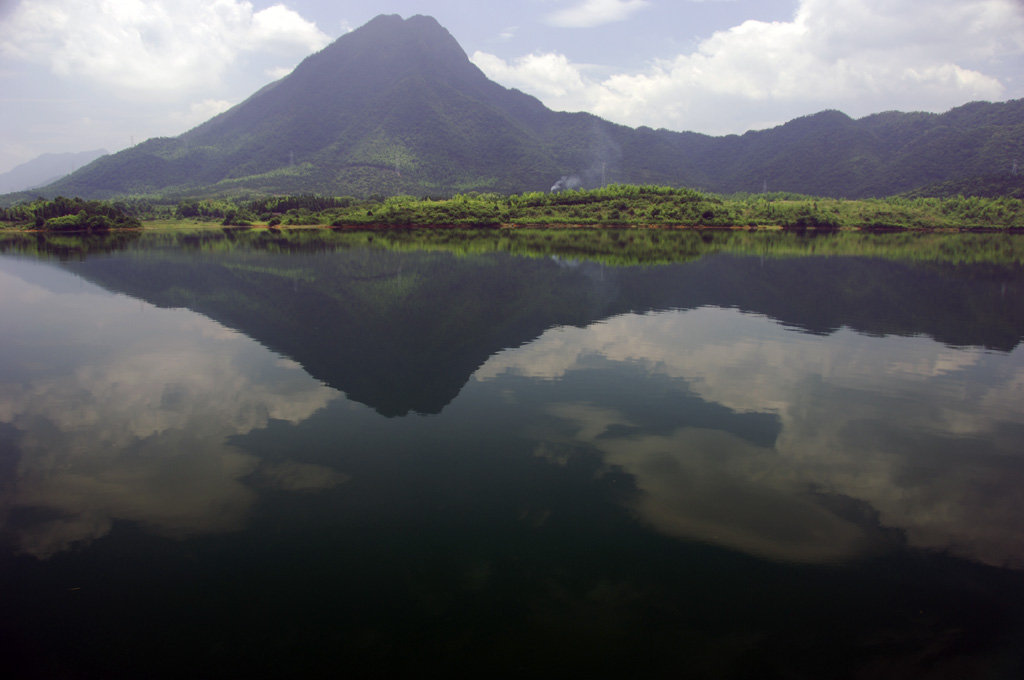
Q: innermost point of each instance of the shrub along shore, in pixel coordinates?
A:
(611, 206)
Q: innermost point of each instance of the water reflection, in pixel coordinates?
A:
(276, 460)
(874, 434)
(123, 412)
(794, 446)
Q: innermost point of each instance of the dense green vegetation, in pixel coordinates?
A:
(70, 214)
(628, 205)
(612, 206)
(986, 186)
(623, 205)
(396, 108)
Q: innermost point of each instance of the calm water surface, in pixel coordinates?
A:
(367, 461)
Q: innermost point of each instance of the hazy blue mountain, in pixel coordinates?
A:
(397, 107)
(45, 169)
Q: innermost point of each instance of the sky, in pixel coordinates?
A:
(77, 75)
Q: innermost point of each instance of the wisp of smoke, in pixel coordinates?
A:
(567, 182)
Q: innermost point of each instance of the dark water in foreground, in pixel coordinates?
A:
(363, 461)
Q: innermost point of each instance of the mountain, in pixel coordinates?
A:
(45, 169)
(985, 186)
(397, 107)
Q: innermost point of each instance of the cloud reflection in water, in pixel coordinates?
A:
(124, 411)
(877, 434)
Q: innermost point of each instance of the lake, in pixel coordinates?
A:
(707, 454)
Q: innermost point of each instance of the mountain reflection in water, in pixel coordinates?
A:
(412, 458)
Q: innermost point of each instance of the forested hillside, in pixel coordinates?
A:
(396, 107)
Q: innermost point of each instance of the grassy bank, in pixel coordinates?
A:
(612, 206)
(650, 206)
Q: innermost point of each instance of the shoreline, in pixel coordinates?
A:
(160, 225)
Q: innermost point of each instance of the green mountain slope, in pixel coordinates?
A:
(397, 107)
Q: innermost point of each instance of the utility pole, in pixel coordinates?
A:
(1014, 170)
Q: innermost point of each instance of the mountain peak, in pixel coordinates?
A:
(387, 37)
(396, 107)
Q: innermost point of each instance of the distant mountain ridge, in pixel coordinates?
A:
(396, 106)
(45, 169)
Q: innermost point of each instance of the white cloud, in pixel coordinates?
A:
(544, 75)
(152, 46)
(860, 56)
(202, 111)
(279, 72)
(590, 13)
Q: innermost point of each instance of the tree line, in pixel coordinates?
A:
(70, 214)
(614, 205)
(639, 205)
